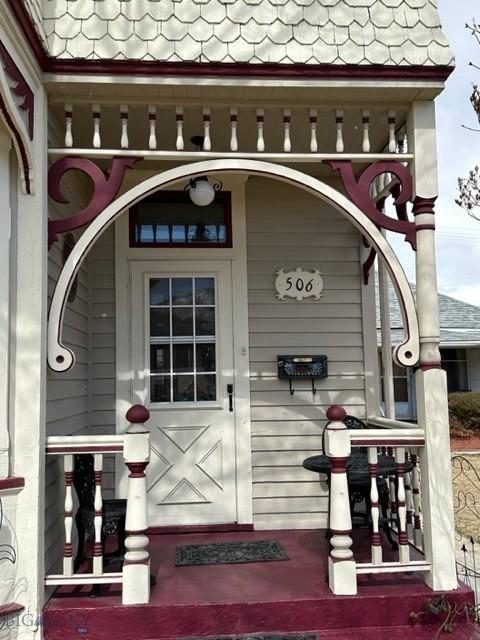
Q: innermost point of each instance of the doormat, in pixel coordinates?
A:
(229, 552)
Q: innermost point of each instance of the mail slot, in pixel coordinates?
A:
(294, 367)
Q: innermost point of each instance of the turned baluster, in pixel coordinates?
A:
(98, 520)
(375, 506)
(233, 129)
(68, 125)
(136, 566)
(260, 123)
(393, 492)
(207, 142)
(179, 143)
(404, 549)
(341, 564)
(409, 500)
(287, 117)
(392, 119)
(96, 114)
(124, 121)
(339, 145)
(366, 131)
(417, 521)
(68, 515)
(313, 130)
(152, 121)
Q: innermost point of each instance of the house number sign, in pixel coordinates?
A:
(299, 284)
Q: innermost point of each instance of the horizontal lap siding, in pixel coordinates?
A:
(287, 228)
(67, 399)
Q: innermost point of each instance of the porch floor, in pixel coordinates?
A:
(253, 598)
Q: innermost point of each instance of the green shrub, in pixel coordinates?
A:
(464, 412)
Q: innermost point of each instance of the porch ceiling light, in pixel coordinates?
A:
(202, 192)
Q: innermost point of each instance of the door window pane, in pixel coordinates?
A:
(204, 291)
(182, 358)
(205, 321)
(206, 388)
(159, 291)
(183, 389)
(182, 339)
(159, 321)
(160, 388)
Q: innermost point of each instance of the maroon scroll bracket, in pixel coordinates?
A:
(106, 186)
(24, 95)
(359, 192)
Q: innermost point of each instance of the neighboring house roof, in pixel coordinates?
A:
(459, 321)
(366, 32)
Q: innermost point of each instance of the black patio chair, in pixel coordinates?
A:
(113, 512)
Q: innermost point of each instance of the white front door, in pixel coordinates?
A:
(182, 364)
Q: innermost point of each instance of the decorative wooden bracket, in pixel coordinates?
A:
(105, 189)
(359, 191)
(22, 91)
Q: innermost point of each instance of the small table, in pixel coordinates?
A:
(358, 474)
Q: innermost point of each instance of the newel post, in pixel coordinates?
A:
(136, 566)
(342, 577)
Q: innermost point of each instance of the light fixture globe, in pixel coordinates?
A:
(202, 193)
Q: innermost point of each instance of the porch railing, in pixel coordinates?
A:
(404, 510)
(134, 446)
(165, 130)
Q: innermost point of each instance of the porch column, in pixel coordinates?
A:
(342, 577)
(431, 380)
(136, 566)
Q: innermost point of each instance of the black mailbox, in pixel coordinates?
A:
(294, 367)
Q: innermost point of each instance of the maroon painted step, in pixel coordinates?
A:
(251, 598)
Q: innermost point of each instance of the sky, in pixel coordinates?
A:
(458, 235)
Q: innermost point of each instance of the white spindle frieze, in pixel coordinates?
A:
(366, 131)
(179, 143)
(233, 129)
(152, 124)
(96, 114)
(207, 141)
(339, 144)
(392, 120)
(98, 519)
(124, 142)
(68, 515)
(287, 143)
(260, 124)
(404, 549)
(417, 518)
(313, 115)
(68, 125)
(375, 506)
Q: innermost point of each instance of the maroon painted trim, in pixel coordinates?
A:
(200, 528)
(20, 145)
(423, 205)
(136, 532)
(430, 365)
(127, 562)
(68, 550)
(336, 413)
(10, 609)
(21, 88)
(105, 189)
(368, 264)
(137, 414)
(396, 443)
(340, 532)
(359, 191)
(182, 196)
(59, 449)
(12, 482)
(137, 469)
(338, 465)
(421, 227)
(132, 67)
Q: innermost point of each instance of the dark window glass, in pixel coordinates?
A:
(159, 292)
(182, 291)
(204, 291)
(183, 389)
(182, 358)
(457, 376)
(206, 357)
(172, 219)
(159, 322)
(160, 358)
(206, 388)
(205, 321)
(182, 321)
(160, 388)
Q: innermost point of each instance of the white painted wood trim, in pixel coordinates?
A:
(369, 331)
(385, 328)
(183, 156)
(5, 238)
(84, 578)
(387, 423)
(61, 358)
(392, 567)
(359, 436)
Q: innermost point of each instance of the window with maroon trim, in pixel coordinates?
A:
(170, 219)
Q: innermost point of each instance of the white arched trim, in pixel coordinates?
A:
(9, 113)
(60, 358)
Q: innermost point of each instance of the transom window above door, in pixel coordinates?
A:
(182, 339)
(170, 219)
